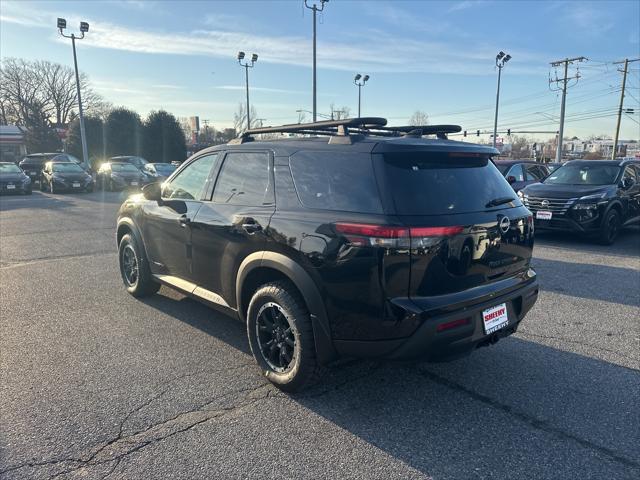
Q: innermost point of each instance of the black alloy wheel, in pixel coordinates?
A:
(610, 227)
(275, 337)
(129, 266)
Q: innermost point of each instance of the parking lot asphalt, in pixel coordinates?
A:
(96, 384)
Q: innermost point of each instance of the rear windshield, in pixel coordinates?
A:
(584, 175)
(9, 168)
(123, 167)
(67, 167)
(336, 181)
(424, 183)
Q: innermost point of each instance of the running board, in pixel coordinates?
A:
(192, 289)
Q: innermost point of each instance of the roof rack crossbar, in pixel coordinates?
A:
(322, 125)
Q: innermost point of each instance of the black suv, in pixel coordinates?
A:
(364, 240)
(587, 196)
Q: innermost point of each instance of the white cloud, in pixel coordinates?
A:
(392, 53)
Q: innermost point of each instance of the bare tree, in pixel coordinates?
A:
(340, 112)
(240, 118)
(419, 118)
(49, 85)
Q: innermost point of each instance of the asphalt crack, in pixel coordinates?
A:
(537, 423)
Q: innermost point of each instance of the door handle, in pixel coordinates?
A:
(184, 220)
(251, 226)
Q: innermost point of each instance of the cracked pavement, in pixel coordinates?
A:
(95, 384)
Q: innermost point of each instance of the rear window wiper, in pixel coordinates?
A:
(499, 201)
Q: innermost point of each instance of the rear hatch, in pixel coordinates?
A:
(467, 227)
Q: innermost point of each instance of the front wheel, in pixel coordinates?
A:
(610, 227)
(134, 268)
(281, 336)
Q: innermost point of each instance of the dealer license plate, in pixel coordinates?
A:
(134, 183)
(76, 185)
(11, 187)
(543, 215)
(495, 318)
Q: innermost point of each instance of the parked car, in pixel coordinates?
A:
(33, 164)
(520, 173)
(139, 162)
(65, 176)
(66, 157)
(158, 172)
(119, 176)
(357, 244)
(587, 196)
(13, 179)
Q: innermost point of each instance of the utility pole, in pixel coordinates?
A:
(84, 28)
(360, 84)
(247, 66)
(315, 9)
(564, 80)
(501, 59)
(624, 84)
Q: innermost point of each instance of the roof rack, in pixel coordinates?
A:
(349, 130)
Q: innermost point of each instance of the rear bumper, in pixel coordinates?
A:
(430, 344)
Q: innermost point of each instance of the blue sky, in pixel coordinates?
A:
(437, 57)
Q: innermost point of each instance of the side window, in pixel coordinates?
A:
(244, 180)
(516, 171)
(629, 173)
(533, 172)
(191, 182)
(336, 181)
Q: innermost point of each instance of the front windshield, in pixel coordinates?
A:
(67, 168)
(123, 167)
(9, 168)
(583, 175)
(164, 168)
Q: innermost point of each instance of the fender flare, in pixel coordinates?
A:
(325, 350)
(134, 230)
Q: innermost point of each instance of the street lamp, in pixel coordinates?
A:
(315, 9)
(84, 28)
(501, 59)
(360, 85)
(247, 64)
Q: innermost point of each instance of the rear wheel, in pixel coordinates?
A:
(281, 336)
(610, 227)
(134, 268)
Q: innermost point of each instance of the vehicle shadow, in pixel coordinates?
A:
(197, 315)
(36, 200)
(586, 280)
(627, 243)
(516, 410)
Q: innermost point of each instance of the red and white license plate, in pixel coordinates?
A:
(543, 215)
(495, 318)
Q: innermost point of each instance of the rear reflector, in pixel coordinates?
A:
(394, 236)
(453, 324)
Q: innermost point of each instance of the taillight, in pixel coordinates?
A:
(394, 236)
(443, 327)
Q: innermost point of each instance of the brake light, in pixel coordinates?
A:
(394, 236)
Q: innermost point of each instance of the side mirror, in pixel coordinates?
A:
(627, 183)
(511, 179)
(153, 191)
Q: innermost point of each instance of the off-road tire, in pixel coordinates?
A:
(609, 228)
(303, 370)
(143, 284)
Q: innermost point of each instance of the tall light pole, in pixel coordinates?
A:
(501, 59)
(84, 28)
(360, 85)
(247, 65)
(315, 9)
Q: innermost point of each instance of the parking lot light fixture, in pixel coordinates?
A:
(84, 28)
(360, 84)
(247, 64)
(501, 59)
